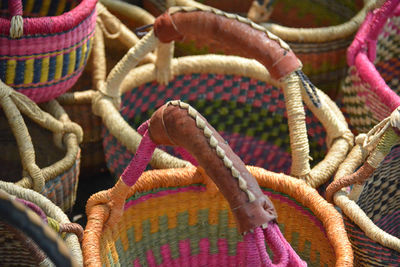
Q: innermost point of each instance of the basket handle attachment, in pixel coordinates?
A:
(378, 142)
(178, 124)
(232, 34)
(17, 22)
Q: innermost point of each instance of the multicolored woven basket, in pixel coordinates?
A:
(370, 96)
(42, 148)
(177, 217)
(372, 207)
(237, 95)
(371, 89)
(44, 45)
(28, 230)
(319, 32)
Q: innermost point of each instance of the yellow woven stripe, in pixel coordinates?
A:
(59, 67)
(45, 8)
(83, 53)
(28, 71)
(28, 6)
(296, 222)
(10, 73)
(45, 70)
(71, 63)
(61, 7)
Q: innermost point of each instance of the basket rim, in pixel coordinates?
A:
(99, 206)
(53, 24)
(362, 53)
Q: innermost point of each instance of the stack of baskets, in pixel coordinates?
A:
(321, 183)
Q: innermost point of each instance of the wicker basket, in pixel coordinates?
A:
(43, 54)
(319, 32)
(23, 232)
(42, 147)
(370, 100)
(372, 207)
(78, 103)
(170, 218)
(213, 84)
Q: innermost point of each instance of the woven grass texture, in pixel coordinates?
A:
(48, 55)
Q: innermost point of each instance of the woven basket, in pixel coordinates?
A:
(319, 32)
(23, 232)
(43, 54)
(371, 89)
(42, 147)
(370, 97)
(372, 207)
(78, 102)
(171, 218)
(213, 85)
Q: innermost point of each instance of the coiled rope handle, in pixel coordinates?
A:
(239, 36)
(67, 134)
(369, 151)
(178, 124)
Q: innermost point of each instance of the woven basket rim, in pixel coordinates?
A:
(76, 15)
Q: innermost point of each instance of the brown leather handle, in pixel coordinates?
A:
(229, 33)
(177, 123)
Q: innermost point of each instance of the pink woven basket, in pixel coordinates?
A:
(44, 45)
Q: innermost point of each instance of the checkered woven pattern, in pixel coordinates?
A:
(200, 230)
(61, 190)
(250, 115)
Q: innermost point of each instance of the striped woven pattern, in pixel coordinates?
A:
(63, 188)
(372, 109)
(44, 65)
(170, 226)
(254, 118)
(380, 200)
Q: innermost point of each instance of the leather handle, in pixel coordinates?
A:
(230, 33)
(177, 123)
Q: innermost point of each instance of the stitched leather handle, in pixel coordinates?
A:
(229, 33)
(177, 123)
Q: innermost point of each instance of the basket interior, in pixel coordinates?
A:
(190, 226)
(13, 251)
(314, 13)
(388, 54)
(248, 113)
(47, 153)
(41, 8)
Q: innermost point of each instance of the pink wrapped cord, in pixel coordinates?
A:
(15, 7)
(284, 255)
(34, 208)
(141, 159)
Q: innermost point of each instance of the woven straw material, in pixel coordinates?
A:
(42, 148)
(59, 37)
(250, 114)
(20, 253)
(319, 32)
(171, 218)
(364, 104)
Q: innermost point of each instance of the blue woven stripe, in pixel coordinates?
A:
(36, 6)
(19, 72)
(3, 68)
(78, 57)
(88, 45)
(65, 64)
(52, 68)
(37, 70)
(53, 8)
